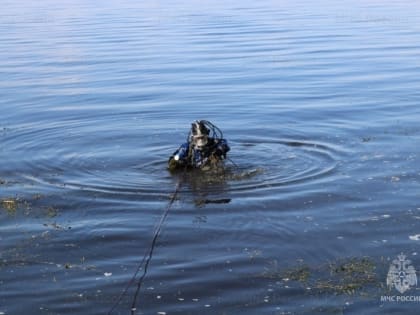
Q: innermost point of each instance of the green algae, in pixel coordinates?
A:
(300, 273)
(342, 277)
(28, 206)
(10, 205)
(348, 276)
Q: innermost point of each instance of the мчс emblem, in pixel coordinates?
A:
(401, 275)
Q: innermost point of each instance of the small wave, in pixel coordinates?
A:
(113, 166)
(272, 163)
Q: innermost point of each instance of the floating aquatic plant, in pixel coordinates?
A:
(10, 205)
(344, 276)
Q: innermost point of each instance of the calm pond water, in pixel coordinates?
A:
(319, 102)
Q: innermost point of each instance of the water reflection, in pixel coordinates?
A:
(206, 186)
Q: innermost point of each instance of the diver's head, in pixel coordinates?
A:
(199, 134)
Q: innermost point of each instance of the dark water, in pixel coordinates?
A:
(320, 104)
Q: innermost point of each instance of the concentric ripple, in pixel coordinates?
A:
(269, 163)
(113, 166)
(78, 155)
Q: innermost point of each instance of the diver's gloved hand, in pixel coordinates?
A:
(173, 164)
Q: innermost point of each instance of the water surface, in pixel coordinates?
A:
(319, 103)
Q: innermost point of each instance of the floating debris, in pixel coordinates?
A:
(414, 237)
(107, 274)
(57, 226)
(10, 205)
(202, 202)
(51, 212)
(300, 273)
(395, 179)
(346, 276)
(247, 174)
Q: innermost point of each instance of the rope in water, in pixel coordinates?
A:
(147, 257)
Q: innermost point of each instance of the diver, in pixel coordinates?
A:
(205, 147)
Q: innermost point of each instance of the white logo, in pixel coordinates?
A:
(401, 275)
